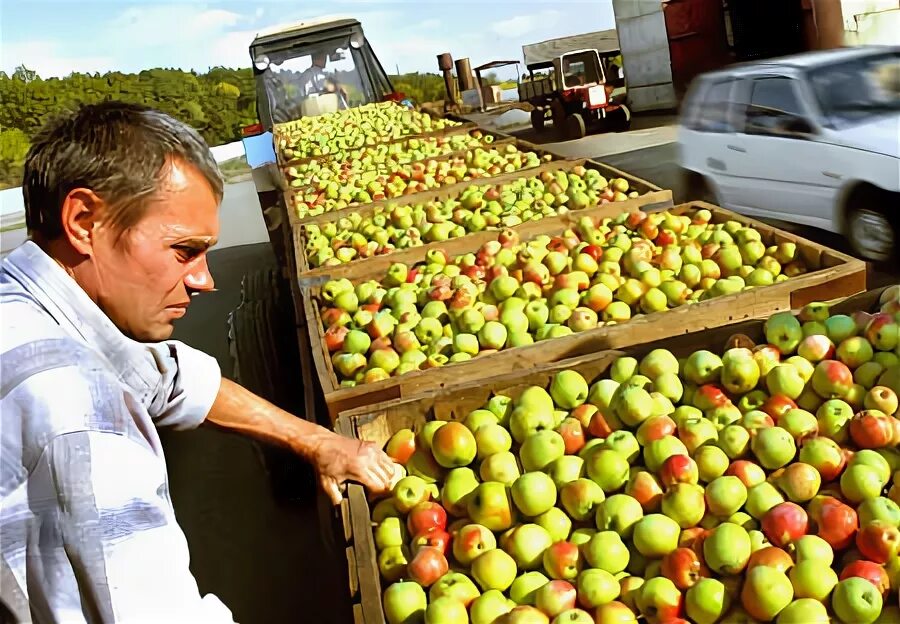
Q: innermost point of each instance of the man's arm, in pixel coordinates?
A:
(335, 457)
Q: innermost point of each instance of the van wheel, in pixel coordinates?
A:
(575, 127)
(696, 188)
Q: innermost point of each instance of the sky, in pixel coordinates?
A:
(58, 37)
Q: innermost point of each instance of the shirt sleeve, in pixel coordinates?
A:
(108, 496)
(190, 383)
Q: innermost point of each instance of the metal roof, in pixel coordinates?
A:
(309, 25)
(604, 41)
(494, 64)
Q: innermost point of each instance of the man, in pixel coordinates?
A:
(122, 205)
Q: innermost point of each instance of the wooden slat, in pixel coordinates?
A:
(366, 556)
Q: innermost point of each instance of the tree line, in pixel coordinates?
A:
(218, 103)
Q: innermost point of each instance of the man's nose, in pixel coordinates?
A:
(199, 278)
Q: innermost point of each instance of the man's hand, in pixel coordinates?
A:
(338, 459)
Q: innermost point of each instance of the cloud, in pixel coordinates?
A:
(166, 25)
(525, 24)
(429, 24)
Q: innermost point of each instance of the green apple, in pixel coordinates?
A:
(656, 535)
(596, 587)
(502, 467)
(524, 587)
(454, 585)
(766, 592)
(707, 601)
(489, 606)
(879, 509)
(472, 541)
(540, 449)
(661, 449)
(557, 523)
(494, 569)
(533, 493)
(460, 482)
(725, 495)
(568, 389)
(803, 611)
(476, 419)
(409, 492)
(811, 579)
(492, 438)
(606, 551)
(625, 443)
(727, 549)
(761, 498)
(861, 482)
(619, 513)
(685, 504)
(608, 469)
(565, 469)
(526, 545)
(774, 447)
(856, 600)
(404, 602)
(712, 462)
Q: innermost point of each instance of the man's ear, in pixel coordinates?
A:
(80, 214)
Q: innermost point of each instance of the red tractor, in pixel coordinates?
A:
(576, 90)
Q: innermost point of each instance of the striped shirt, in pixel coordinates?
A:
(87, 528)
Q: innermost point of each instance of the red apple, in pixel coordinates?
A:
(425, 516)
(427, 566)
(654, 428)
(836, 522)
(572, 434)
(748, 472)
(678, 469)
(434, 537)
(871, 429)
(871, 571)
(683, 567)
(562, 560)
(878, 541)
(778, 405)
(784, 523)
(771, 556)
(710, 396)
(334, 337)
(401, 446)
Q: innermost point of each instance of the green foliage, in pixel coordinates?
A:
(218, 103)
(420, 88)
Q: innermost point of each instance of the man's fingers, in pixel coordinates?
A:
(333, 490)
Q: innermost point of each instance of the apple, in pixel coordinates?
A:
(683, 567)
(773, 447)
(655, 535)
(401, 446)
(878, 509)
(557, 523)
(834, 417)
(614, 612)
(501, 467)
(702, 367)
(596, 587)
(725, 495)
(526, 545)
(881, 398)
(766, 592)
(660, 600)
(404, 602)
(643, 487)
(678, 469)
(684, 503)
(427, 566)
(825, 455)
(533, 493)
(579, 498)
(712, 462)
(540, 449)
(707, 601)
(799, 481)
(523, 588)
(619, 513)
(409, 492)
(785, 379)
(565, 469)
(572, 432)
(494, 569)
(491, 438)
(784, 523)
(837, 523)
(608, 469)
(771, 556)
(811, 579)
(870, 571)
(562, 561)
(555, 597)
(454, 585)
(568, 389)
(878, 541)
(490, 505)
(812, 548)
(524, 615)
(783, 331)
(803, 611)
(726, 550)
(872, 429)
(856, 600)
(446, 610)
(606, 551)
(390, 532)
(489, 606)
(860, 482)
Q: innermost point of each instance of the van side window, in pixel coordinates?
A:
(713, 112)
(773, 105)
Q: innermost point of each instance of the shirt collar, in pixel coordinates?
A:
(67, 303)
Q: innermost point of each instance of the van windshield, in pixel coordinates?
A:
(851, 92)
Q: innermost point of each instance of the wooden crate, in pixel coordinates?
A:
(377, 423)
(649, 194)
(443, 192)
(832, 275)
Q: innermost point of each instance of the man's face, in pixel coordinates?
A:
(144, 281)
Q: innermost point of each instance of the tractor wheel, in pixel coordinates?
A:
(575, 127)
(538, 119)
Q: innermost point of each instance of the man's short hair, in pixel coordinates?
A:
(119, 151)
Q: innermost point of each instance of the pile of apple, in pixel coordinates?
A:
(474, 209)
(408, 150)
(513, 293)
(334, 186)
(755, 485)
(335, 133)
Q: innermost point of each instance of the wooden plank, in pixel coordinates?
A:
(840, 276)
(365, 554)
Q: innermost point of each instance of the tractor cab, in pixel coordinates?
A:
(315, 67)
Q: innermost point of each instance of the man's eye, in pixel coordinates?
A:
(187, 252)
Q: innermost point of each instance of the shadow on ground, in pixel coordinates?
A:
(258, 552)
